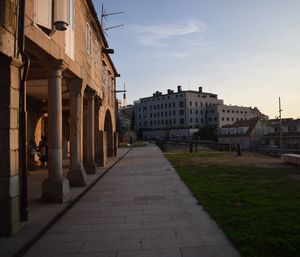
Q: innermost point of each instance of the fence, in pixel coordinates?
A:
(190, 145)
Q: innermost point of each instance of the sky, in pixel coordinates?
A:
(245, 51)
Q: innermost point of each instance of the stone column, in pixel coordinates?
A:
(9, 146)
(116, 143)
(98, 102)
(90, 165)
(102, 148)
(77, 175)
(55, 188)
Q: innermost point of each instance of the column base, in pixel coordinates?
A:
(90, 167)
(77, 176)
(55, 189)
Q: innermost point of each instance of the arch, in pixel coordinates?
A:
(109, 134)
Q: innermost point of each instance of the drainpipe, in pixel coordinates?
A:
(23, 113)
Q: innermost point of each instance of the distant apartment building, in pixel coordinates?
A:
(187, 109)
(290, 134)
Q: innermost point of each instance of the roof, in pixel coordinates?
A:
(243, 123)
(180, 92)
(251, 124)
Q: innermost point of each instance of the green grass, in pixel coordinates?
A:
(258, 208)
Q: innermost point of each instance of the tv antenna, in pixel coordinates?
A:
(104, 16)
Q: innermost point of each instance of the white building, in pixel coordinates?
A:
(187, 109)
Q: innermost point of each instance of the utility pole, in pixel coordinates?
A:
(280, 128)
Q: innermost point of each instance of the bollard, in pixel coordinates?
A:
(191, 147)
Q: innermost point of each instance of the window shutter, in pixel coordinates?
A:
(43, 13)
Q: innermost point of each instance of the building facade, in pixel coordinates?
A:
(290, 134)
(187, 109)
(246, 133)
(58, 71)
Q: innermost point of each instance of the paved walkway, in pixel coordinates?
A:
(141, 208)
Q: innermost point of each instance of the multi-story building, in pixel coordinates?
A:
(289, 135)
(54, 54)
(186, 110)
(220, 115)
(246, 133)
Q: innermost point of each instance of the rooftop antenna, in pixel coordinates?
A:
(104, 16)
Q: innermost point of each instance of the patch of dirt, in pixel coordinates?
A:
(247, 159)
(294, 176)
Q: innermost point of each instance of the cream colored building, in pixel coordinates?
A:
(186, 109)
(70, 93)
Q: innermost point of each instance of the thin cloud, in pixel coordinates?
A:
(159, 35)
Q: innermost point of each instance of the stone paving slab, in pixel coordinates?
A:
(141, 208)
(41, 213)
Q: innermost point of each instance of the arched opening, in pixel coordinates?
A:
(109, 134)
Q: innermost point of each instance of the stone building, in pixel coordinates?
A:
(186, 110)
(57, 55)
(290, 135)
(246, 133)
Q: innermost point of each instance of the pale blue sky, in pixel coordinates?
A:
(246, 51)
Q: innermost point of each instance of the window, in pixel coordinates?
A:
(191, 112)
(170, 105)
(232, 119)
(96, 53)
(174, 112)
(191, 103)
(196, 104)
(170, 113)
(196, 120)
(70, 32)
(181, 121)
(191, 120)
(109, 82)
(103, 78)
(223, 119)
(166, 106)
(162, 114)
(174, 121)
(181, 104)
(196, 111)
(88, 38)
(43, 13)
(174, 105)
(181, 112)
(161, 106)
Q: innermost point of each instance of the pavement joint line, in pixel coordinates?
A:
(24, 249)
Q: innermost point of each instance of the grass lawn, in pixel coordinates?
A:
(254, 199)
